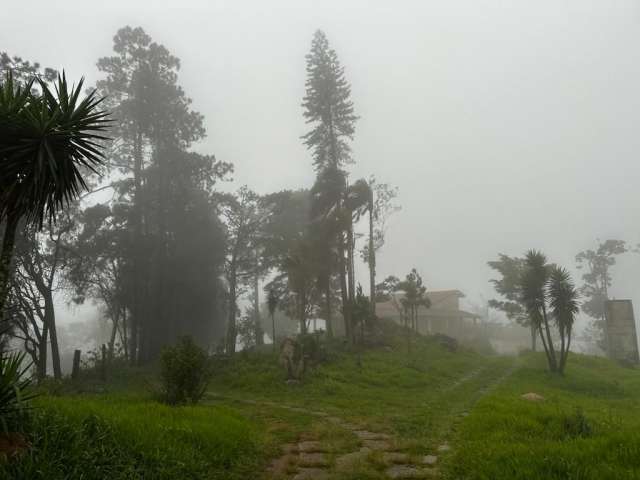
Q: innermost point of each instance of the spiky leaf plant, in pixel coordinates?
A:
(14, 390)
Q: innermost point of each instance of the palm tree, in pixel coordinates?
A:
(564, 303)
(356, 203)
(548, 292)
(48, 140)
(534, 297)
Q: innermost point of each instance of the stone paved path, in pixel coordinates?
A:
(310, 460)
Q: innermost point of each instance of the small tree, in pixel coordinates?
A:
(414, 297)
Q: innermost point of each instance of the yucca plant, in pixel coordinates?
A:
(549, 295)
(565, 305)
(48, 140)
(14, 390)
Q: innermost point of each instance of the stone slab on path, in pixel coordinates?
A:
(408, 471)
(312, 460)
(289, 448)
(380, 445)
(311, 446)
(312, 474)
(367, 435)
(280, 466)
(391, 458)
(430, 459)
(347, 461)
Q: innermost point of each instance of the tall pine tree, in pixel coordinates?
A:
(329, 110)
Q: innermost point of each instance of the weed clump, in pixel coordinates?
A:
(576, 425)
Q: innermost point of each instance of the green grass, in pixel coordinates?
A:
(588, 426)
(130, 437)
(415, 397)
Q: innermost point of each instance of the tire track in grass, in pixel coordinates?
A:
(444, 446)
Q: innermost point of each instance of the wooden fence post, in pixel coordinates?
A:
(75, 371)
(104, 362)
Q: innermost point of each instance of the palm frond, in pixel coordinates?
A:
(47, 141)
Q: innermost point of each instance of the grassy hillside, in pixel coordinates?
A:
(461, 407)
(588, 426)
(415, 396)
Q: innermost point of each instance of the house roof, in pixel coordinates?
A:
(438, 305)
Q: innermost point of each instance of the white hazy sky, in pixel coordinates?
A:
(507, 125)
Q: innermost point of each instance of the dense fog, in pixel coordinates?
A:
(505, 125)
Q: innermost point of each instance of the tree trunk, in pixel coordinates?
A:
(302, 308)
(566, 353)
(343, 289)
(327, 296)
(50, 316)
(231, 321)
(351, 266)
(167, 331)
(534, 336)
(562, 345)
(112, 339)
(544, 344)
(136, 309)
(256, 308)
(75, 371)
(273, 330)
(553, 365)
(42, 356)
(8, 243)
(372, 263)
(123, 334)
(350, 277)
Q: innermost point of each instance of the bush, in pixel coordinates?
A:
(185, 372)
(14, 394)
(312, 347)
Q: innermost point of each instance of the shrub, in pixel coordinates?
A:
(312, 347)
(447, 342)
(14, 394)
(185, 372)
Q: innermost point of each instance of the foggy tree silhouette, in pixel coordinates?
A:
(328, 108)
(167, 192)
(597, 279)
